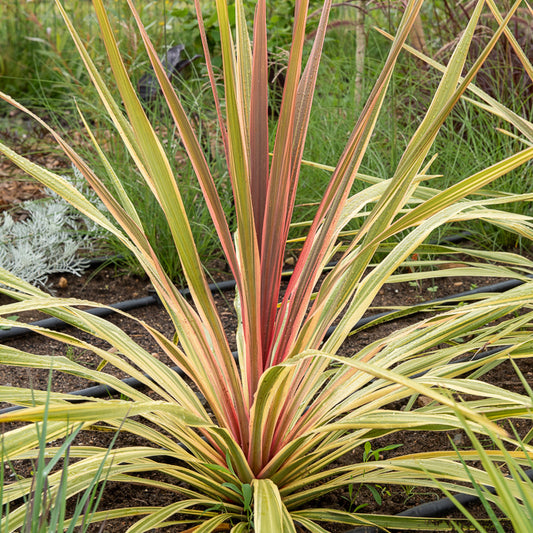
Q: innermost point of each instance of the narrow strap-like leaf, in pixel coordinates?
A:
(294, 306)
(259, 158)
(270, 514)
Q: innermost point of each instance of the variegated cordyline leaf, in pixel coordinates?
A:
(404, 347)
(284, 172)
(216, 355)
(320, 241)
(395, 470)
(321, 235)
(310, 518)
(184, 317)
(93, 412)
(524, 126)
(519, 224)
(363, 298)
(270, 513)
(173, 387)
(513, 493)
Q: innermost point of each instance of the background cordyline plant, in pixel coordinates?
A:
(263, 451)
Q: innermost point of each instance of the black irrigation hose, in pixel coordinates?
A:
(496, 287)
(127, 305)
(100, 391)
(103, 391)
(56, 323)
(436, 508)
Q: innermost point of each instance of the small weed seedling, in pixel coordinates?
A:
(243, 490)
(415, 284)
(375, 455)
(410, 491)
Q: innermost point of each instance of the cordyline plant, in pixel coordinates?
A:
(257, 448)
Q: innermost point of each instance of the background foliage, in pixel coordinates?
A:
(40, 68)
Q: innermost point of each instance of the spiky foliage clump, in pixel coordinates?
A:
(258, 444)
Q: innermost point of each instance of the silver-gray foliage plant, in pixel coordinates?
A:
(49, 240)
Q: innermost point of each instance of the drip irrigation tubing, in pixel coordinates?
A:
(128, 305)
(103, 391)
(496, 287)
(436, 508)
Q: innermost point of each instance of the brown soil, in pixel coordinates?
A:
(109, 286)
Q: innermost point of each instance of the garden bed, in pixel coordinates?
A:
(256, 411)
(109, 285)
